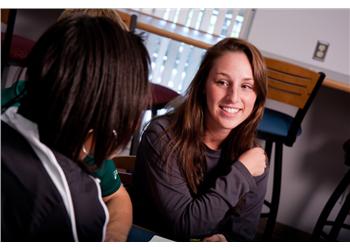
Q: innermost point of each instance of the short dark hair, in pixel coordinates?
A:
(86, 73)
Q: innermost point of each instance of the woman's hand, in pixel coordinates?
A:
(215, 238)
(255, 160)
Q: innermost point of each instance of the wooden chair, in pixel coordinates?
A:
(296, 86)
(125, 166)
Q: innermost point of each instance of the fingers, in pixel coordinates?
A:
(215, 238)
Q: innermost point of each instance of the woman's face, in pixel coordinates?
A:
(230, 94)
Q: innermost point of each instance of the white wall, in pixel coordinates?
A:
(315, 164)
(293, 34)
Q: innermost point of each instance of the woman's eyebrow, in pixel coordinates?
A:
(223, 73)
(248, 79)
(227, 75)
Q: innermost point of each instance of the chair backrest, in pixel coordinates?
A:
(8, 17)
(125, 166)
(294, 85)
(289, 83)
(125, 163)
(129, 20)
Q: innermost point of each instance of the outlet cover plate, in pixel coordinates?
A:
(320, 50)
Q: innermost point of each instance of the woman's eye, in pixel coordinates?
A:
(247, 86)
(223, 83)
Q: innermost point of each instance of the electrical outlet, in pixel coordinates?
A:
(320, 50)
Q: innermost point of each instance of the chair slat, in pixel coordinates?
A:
(294, 99)
(289, 79)
(287, 87)
(289, 83)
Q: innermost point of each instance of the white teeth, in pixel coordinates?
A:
(230, 110)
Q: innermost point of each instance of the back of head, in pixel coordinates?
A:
(86, 73)
(110, 13)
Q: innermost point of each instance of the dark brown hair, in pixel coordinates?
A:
(187, 122)
(86, 73)
(110, 13)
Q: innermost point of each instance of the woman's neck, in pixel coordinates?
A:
(214, 136)
(213, 140)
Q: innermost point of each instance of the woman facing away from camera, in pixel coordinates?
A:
(109, 179)
(86, 86)
(199, 172)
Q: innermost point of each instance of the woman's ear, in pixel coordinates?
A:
(88, 145)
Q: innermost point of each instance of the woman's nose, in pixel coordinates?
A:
(233, 93)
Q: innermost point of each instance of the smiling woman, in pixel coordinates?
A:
(230, 97)
(199, 173)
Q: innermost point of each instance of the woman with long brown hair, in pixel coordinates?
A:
(199, 172)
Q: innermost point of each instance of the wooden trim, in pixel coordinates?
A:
(172, 35)
(336, 85)
(125, 17)
(170, 31)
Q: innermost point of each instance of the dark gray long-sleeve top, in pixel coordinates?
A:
(228, 203)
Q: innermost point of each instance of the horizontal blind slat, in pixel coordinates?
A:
(195, 59)
(206, 20)
(169, 65)
(219, 22)
(183, 14)
(164, 42)
(148, 11)
(182, 62)
(160, 12)
(151, 44)
(194, 19)
(248, 15)
(172, 15)
(232, 23)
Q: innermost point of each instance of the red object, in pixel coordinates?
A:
(161, 95)
(20, 48)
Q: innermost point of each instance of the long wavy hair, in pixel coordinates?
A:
(86, 73)
(187, 121)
